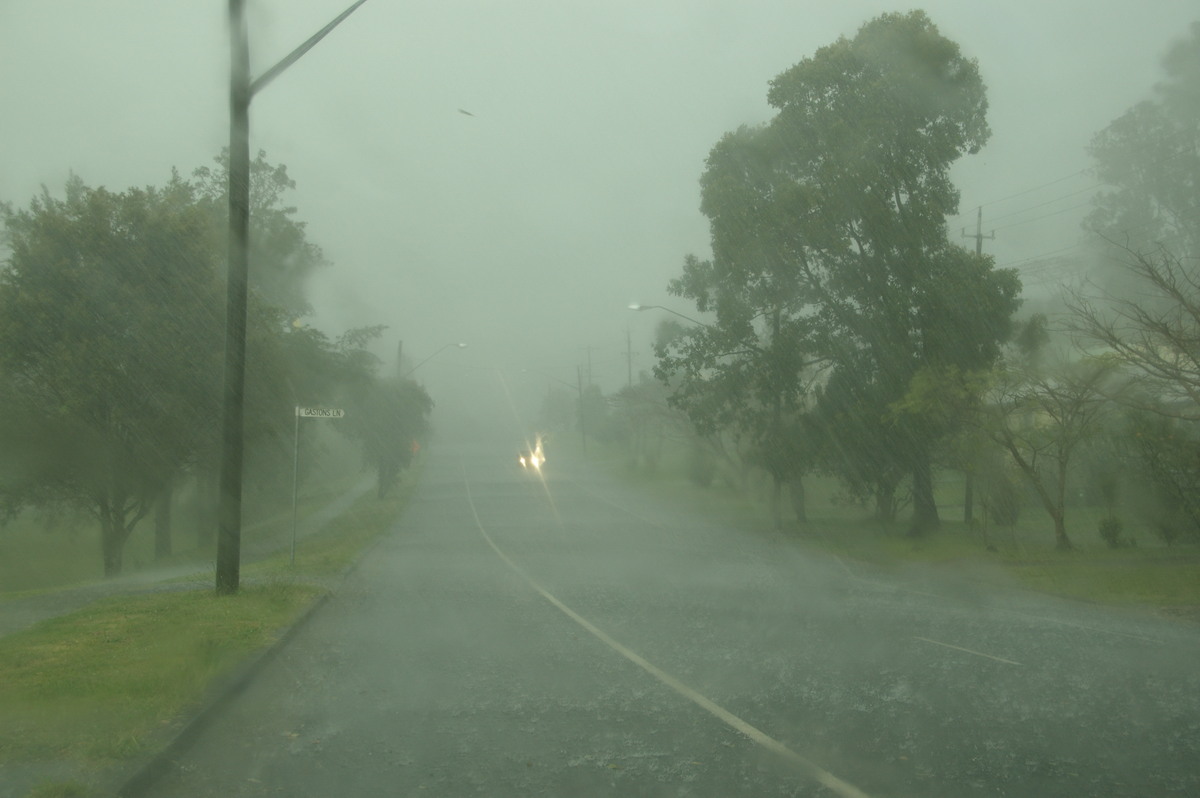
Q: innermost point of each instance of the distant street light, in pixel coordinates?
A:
(241, 90)
(431, 357)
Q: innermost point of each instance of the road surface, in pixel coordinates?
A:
(520, 636)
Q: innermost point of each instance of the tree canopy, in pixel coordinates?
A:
(1150, 159)
(830, 248)
(111, 339)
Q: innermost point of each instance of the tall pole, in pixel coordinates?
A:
(229, 524)
(969, 481)
(582, 411)
(241, 89)
(979, 236)
(295, 480)
(628, 360)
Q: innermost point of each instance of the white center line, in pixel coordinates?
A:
(817, 773)
(967, 650)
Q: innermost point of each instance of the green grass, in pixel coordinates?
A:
(60, 789)
(1150, 574)
(100, 685)
(41, 551)
(95, 685)
(339, 544)
(1128, 579)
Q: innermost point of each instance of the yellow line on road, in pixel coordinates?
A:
(967, 650)
(819, 774)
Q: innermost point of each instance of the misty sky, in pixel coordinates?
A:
(527, 228)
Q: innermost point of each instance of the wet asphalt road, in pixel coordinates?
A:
(518, 636)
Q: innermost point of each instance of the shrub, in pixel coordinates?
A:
(1110, 531)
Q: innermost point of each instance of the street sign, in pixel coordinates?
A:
(320, 412)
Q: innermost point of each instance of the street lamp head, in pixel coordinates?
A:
(459, 344)
(636, 306)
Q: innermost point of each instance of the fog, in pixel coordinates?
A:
(514, 175)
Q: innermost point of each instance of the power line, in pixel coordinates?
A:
(1028, 191)
(1049, 202)
(1045, 215)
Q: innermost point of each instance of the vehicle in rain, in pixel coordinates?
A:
(532, 457)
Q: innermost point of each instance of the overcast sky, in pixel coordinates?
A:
(526, 228)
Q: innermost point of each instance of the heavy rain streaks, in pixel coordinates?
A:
(890, 490)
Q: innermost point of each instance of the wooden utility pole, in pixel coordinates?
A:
(969, 487)
(979, 236)
(229, 518)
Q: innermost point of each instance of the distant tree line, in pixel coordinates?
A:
(111, 345)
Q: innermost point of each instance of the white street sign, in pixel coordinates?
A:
(320, 412)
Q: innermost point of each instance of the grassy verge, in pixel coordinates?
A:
(41, 552)
(87, 691)
(1133, 578)
(95, 685)
(329, 552)
(1150, 574)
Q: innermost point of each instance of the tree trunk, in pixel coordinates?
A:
(799, 503)
(925, 515)
(162, 524)
(885, 502)
(1055, 511)
(1061, 541)
(776, 502)
(969, 498)
(112, 542)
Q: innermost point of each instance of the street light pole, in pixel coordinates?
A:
(582, 410)
(241, 90)
(229, 519)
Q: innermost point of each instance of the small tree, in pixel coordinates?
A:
(1041, 417)
(1163, 452)
(110, 337)
(391, 419)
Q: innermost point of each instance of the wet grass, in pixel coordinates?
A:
(100, 685)
(95, 685)
(41, 551)
(337, 546)
(1148, 573)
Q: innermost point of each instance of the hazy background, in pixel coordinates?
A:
(526, 228)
